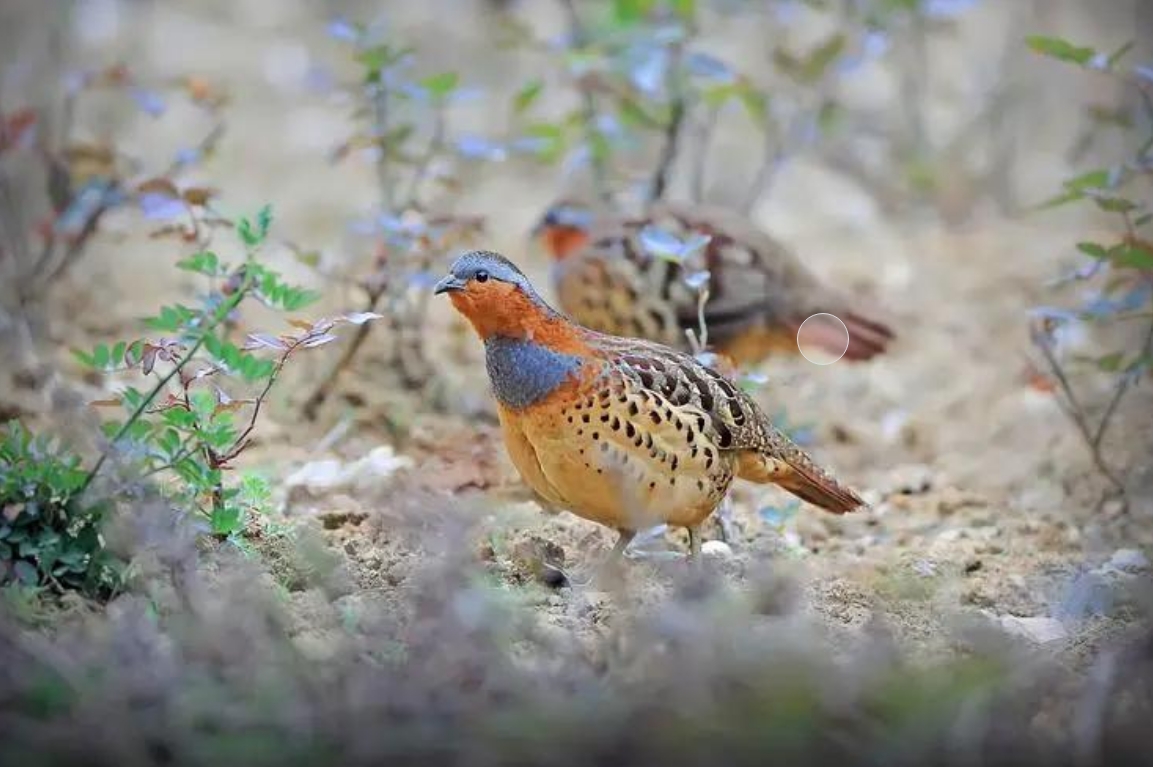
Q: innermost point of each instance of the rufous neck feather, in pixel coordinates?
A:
(500, 309)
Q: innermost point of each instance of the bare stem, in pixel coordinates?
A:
(704, 139)
(380, 128)
(241, 442)
(672, 133)
(434, 148)
(1072, 407)
(320, 395)
(598, 163)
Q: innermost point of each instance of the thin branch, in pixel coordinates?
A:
(672, 133)
(380, 128)
(221, 313)
(434, 148)
(598, 163)
(705, 132)
(1123, 386)
(313, 404)
(1073, 409)
(241, 440)
(774, 155)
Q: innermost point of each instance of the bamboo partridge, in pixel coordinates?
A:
(620, 431)
(608, 279)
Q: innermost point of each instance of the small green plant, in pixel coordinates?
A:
(49, 534)
(403, 129)
(192, 423)
(1119, 271)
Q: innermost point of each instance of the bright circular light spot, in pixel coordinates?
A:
(823, 339)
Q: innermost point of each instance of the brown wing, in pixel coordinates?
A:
(757, 282)
(613, 287)
(726, 416)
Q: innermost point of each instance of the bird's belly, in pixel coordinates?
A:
(599, 473)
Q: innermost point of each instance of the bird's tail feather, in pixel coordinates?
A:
(800, 476)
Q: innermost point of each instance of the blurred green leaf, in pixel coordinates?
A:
(686, 9)
(629, 12)
(441, 85)
(527, 96)
(1093, 249)
(204, 262)
(1060, 49)
(1133, 256)
(1110, 363)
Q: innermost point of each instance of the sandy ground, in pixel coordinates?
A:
(984, 499)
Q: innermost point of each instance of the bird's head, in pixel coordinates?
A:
(564, 228)
(494, 295)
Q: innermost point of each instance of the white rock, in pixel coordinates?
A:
(315, 476)
(1039, 629)
(331, 475)
(717, 549)
(1129, 560)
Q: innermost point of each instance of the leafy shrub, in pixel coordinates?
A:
(49, 535)
(186, 425)
(408, 227)
(1120, 269)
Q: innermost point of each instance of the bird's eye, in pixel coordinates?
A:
(481, 276)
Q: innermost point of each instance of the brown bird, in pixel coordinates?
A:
(620, 431)
(607, 277)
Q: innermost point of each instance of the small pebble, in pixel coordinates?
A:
(1129, 560)
(717, 549)
(1038, 629)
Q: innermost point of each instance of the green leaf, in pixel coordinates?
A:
(1075, 188)
(686, 9)
(820, 58)
(441, 85)
(553, 140)
(1093, 249)
(118, 353)
(1110, 363)
(626, 13)
(1131, 256)
(26, 573)
(1058, 48)
(204, 262)
(1115, 204)
(527, 96)
(755, 103)
(253, 234)
(227, 520)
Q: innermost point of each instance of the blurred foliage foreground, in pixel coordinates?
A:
(218, 664)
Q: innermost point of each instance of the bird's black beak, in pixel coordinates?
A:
(449, 284)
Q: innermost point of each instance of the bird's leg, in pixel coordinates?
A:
(626, 537)
(694, 543)
(609, 564)
(724, 518)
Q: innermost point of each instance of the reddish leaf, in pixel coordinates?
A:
(319, 340)
(198, 195)
(264, 341)
(359, 318)
(148, 358)
(158, 186)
